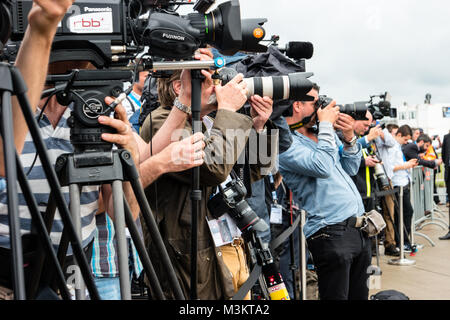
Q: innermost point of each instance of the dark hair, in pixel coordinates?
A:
(423, 137)
(391, 126)
(166, 93)
(316, 87)
(405, 130)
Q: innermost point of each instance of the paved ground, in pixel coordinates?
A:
(429, 278)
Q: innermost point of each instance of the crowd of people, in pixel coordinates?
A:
(329, 167)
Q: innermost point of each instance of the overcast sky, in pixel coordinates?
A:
(366, 47)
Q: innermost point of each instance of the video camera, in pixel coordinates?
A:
(382, 108)
(113, 32)
(356, 110)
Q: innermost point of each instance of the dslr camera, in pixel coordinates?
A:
(356, 110)
(231, 199)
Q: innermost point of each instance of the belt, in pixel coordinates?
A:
(353, 222)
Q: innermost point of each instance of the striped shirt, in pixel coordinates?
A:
(57, 141)
(104, 261)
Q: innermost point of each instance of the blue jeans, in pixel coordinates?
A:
(108, 288)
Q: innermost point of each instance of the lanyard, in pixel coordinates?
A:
(272, 186)
(367, 175)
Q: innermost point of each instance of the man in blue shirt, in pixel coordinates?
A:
(317, 168)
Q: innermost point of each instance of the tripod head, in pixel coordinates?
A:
(86, 90)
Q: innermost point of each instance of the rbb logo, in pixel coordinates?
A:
(89, 23)
(98, 22)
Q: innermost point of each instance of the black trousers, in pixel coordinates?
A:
(342, 255)
(447, 184)
(408, 212)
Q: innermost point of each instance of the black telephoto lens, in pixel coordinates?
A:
(357, 110)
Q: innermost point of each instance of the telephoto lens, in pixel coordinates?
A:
(381, 178)
(356, 110)
(294, 86)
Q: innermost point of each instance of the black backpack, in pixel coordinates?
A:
(389, 295)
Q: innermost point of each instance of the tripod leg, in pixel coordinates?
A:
(13, 199)
(55, 188)
(119, 227)
(293, 266)
(46, 242)
(133, 176)
(74, 191)
(196, 194)
(143, 255)
(303, 261)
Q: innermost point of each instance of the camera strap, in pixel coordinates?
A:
(302, 122)
(365, 155)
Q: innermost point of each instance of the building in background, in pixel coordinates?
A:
(434, 119)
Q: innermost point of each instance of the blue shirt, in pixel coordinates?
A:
(319, 176)
(400, 178)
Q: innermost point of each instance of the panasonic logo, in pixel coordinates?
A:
(173, 37)
(107, 9)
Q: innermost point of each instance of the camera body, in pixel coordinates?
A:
(356, 110)
(231, 200)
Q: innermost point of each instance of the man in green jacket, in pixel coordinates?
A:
(221, 269)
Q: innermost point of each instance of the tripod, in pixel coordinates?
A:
(11, 83)
(97, 168)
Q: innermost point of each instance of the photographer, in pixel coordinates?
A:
(364, 180)
(37, 42)
(401, 178)
(42, 24)
(132, 103)
(446, 159)
(384, 144)
(43, 21)
(414, 150)
(317, 168)
(221, 269)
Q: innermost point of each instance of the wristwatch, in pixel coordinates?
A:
(181, 106)
(351, 143)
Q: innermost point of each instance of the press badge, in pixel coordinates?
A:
(276, 214)
(223, 230)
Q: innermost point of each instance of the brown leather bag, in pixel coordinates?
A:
(373, 223)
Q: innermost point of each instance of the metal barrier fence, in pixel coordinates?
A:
(426, 211)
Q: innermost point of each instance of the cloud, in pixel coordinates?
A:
(365, 47)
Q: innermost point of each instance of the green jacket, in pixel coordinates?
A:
(169, 199)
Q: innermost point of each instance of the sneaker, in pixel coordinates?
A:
(407, 248)
(392, 251)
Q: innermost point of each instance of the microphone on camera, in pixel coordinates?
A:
(299, 50)
(384, 105)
